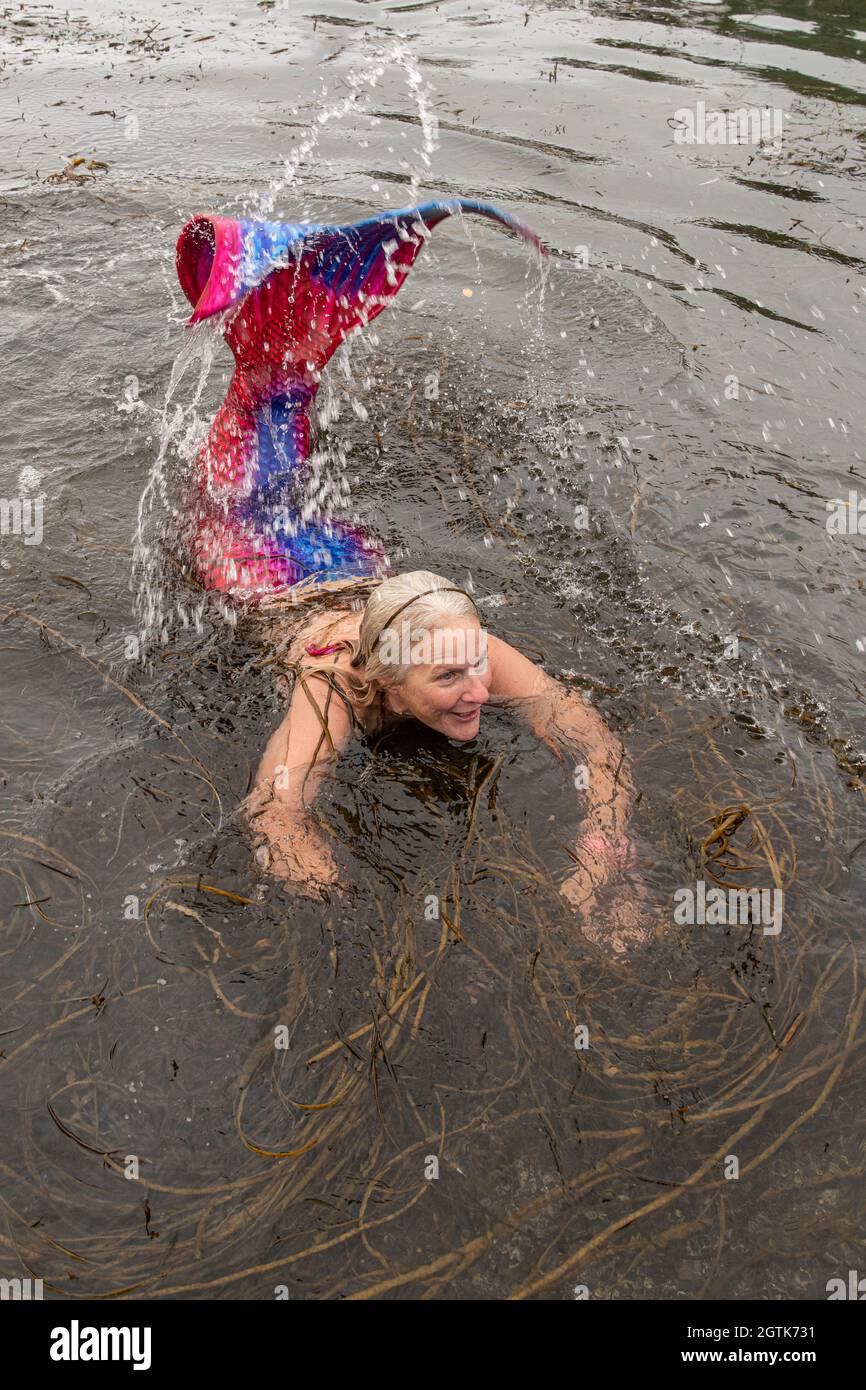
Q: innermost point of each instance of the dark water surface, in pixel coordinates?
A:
(690, 367)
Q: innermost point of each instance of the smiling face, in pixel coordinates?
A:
(447, 690)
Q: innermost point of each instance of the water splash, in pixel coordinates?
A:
(182, 430)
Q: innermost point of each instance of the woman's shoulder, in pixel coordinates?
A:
(513, 675)
(320, 631)
(366, 718)
(331, 642)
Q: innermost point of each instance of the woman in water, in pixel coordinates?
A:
(291, 293)
(417, 651)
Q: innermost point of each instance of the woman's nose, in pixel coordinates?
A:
(477, 691)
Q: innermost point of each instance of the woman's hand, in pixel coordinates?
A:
(288, 847)
(601, 858)
(580, 888)
(619, 918)
(308, 866)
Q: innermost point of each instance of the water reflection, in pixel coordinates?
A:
(385, 1097)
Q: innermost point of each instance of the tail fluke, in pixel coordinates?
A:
(220, 259)
(300, 290)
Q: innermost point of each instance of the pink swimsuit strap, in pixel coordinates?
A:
(324, 651)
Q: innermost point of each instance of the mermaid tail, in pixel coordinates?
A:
(298, 290)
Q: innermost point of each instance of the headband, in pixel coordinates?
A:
(441, 589)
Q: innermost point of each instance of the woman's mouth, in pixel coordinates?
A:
(465, 718)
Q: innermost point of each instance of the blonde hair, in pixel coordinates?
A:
(430, 596)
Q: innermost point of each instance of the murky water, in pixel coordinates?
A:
(285, 1079)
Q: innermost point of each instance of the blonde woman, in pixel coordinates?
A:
(417, 650)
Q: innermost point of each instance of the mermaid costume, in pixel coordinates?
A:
(296, 291)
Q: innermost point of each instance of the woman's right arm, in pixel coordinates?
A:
(308, 740)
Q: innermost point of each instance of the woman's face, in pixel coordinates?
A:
(447, 691)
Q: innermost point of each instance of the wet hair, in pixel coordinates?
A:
(430, 597)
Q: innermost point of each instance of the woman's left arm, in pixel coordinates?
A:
(553, 711)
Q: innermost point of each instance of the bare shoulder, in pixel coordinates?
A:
(321, 629)
(338, 675)
(513, 675)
